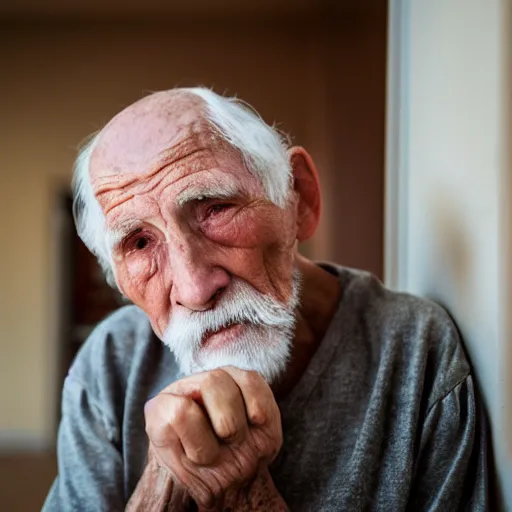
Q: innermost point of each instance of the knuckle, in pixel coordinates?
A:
(226, 427)
(257, 414)
(158, 433)
(252, 378)
(214, 378)
(152, 432)
(198, 456)
(151, 407)
(180, 408)
(153, 419)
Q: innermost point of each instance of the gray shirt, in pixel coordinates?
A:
(384, 418)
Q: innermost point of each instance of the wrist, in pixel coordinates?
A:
(258, 495)
(156, 491)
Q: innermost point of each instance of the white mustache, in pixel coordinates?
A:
(240, 304)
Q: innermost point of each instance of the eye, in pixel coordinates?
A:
(215, 209)
(141, 243)
(137, 241)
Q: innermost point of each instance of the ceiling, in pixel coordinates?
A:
(121, 9)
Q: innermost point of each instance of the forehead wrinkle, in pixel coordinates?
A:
(190, 155)
(115, 194)
(112, 182)
(117, 201)
(196, 139)
(204, 139)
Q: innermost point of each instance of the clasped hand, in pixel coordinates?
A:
(215, 433)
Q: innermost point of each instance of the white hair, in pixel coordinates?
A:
(263, 148)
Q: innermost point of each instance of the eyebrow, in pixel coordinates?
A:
(116, 235)
(200, 192)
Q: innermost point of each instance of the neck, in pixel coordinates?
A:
(319, 300)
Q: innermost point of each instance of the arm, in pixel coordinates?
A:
(157, 491)
(90, 466)
(451, 466)
(212, 437)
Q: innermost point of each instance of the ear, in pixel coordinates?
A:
(306, 186)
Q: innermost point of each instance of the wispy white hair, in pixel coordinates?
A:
(262, 147)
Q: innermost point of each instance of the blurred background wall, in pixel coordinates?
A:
(449, 232)
(316, 68)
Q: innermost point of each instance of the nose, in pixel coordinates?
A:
(196, 283)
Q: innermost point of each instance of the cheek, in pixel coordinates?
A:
(253, 228)
(135, 272)
(261, 250)
(142, 279)
(141, 268)
(268, 269)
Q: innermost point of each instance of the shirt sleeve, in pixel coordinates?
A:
(90, 468)
(451, 466)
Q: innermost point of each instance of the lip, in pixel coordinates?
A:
(222, 337)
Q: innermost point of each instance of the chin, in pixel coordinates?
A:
(260, 349)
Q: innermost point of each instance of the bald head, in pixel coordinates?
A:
(139, 136)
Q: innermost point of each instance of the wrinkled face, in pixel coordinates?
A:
(195, 243)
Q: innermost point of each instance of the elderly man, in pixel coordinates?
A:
(246, 377)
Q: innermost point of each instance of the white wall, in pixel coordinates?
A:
(449, 181)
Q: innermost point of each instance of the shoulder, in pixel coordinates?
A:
(365, 293)
(112, 343)
(116, 352)
(416, 334)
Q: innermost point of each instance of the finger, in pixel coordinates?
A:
(225, 405)
(262, 410)
(171, 418)
(260, 404)
(222, 399)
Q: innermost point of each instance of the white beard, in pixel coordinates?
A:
(263, 346)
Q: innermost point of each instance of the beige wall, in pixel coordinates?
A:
(451, 146)
(324, 82)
